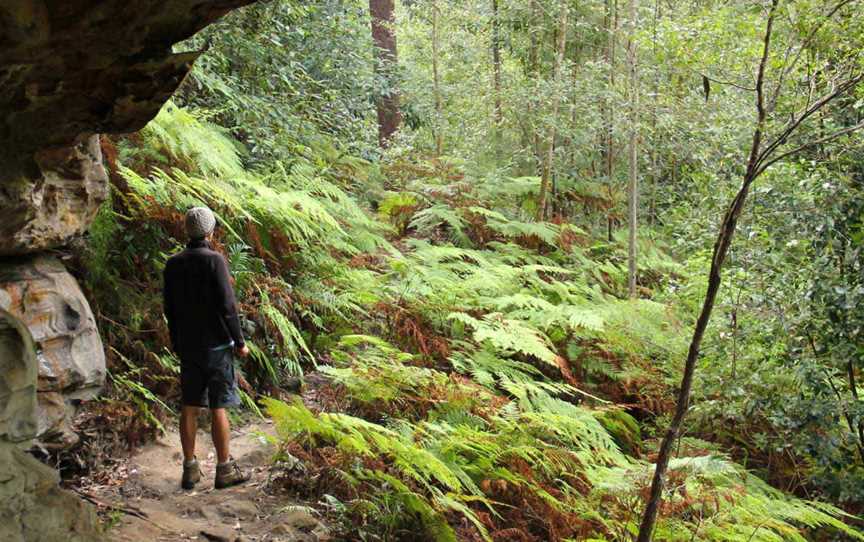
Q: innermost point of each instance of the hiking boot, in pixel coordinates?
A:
(230, 474)
(191, 474)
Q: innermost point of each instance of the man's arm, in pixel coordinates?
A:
(228, 303)
(168, 305)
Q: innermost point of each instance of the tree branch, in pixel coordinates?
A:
(797, 120)
(730, 83)
(788, 67)
(796, 150)
(721, 248)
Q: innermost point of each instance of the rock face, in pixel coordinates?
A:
(32, 505)
(17, 381)
(71, 362)
(70, 69)
(77, 67)
(33, 508)
(59, 203)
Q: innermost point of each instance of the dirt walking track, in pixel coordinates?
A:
(150, 506)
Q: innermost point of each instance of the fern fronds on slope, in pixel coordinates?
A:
(425, 222)
(510, 229)
(710, 498)
(292, 345)
(449, 464)
(203, 147)
(297, 203)
(373, 372)
(413, 462)
(508, 336)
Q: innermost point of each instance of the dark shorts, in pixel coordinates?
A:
(207, 379)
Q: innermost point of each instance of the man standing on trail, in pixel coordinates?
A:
(205, 332)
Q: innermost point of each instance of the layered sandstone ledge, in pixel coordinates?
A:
(69, 70)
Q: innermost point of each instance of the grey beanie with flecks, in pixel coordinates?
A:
(200, 222)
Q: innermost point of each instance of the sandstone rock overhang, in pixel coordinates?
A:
(69, 71)
(72, 68)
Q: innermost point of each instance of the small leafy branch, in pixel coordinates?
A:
(761, 156)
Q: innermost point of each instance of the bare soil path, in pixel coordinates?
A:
(158, 510)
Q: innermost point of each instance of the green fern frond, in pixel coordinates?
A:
(508, 336)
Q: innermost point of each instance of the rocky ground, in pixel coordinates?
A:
(144, 501)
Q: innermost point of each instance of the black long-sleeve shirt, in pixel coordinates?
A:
(199, 300)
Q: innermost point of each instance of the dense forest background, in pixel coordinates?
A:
(483, 230)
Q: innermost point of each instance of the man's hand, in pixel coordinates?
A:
(243, 351)
(244, 385)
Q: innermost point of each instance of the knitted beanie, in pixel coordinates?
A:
(200, 221)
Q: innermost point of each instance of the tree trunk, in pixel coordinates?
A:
(498, 115)
(556, 100)
(436, 83)
(533, 71)
(607, 143)
(384, 38)
(655, 173)
(632, 151)
(721, 247)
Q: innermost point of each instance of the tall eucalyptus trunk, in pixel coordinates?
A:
(533, 73)
(607, 141)
(436, 81)
(556, 101)
(498, 115)
(632, 151)
(384, 39)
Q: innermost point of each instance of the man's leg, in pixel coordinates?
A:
(228, 473)
(188, 428)
(220, 430)
(193, 387)
(222, 387)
